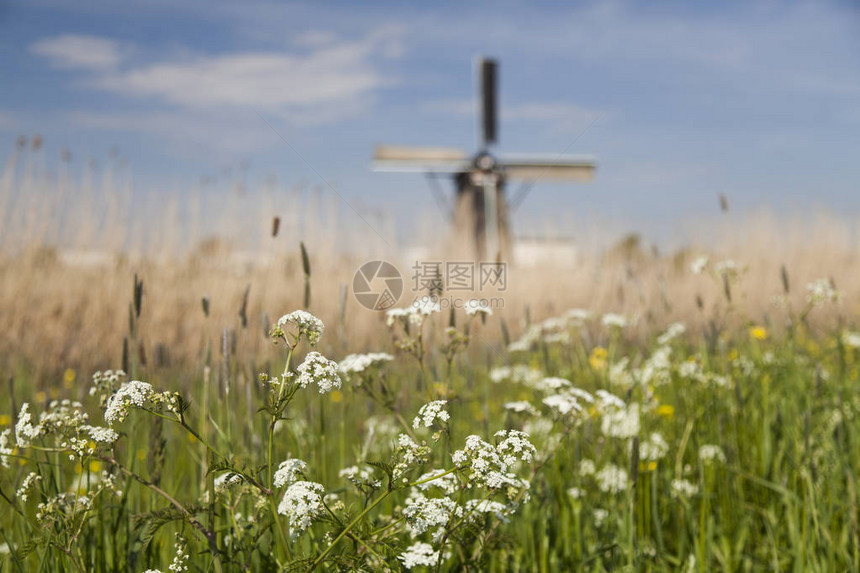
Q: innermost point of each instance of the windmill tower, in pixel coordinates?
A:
(480, 214)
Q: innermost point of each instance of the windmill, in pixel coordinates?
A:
(480, 212)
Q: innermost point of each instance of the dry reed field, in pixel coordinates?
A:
(189, 385)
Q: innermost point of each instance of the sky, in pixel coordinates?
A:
(680, 102)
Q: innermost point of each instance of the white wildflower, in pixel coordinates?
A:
(302, 503)
(622, 423)
(477, 306)
(727, 269)
(180, 559)
(851, 339)
(552, 383)
(709, 453)
(699, 265)
(5, 450)
(25, 432)
(564, 403)
(822, 291)
(424, 513)
(577, 316)
(674, 331)
(575, 492)
(289, 472)
(515, 445)
(320, 370)
(360, 476)
(227, 481)
(612, 320)
(607, 401)
(307, 325)
(24, 490)
(684, 489)
(429, 413)
(130, 394)
(587, 468)
(355, 363)
(654, 448)
(521, 407)
(419, 554)
(102, 434)
(612, 479)
(439, 479)
(600, 516)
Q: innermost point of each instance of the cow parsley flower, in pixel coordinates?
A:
(320, 370)
(429, 413)
(822, 291)
(710, 453)
(423, 513)
(622, 423)
(612, 479)
(521, 407)
(552, 383)
(227, 481)
(654, 448)
(612, 320)
(515, 445)
(180, 559)
(289, 472)
(31, 480)
(306, 324)
(356, 363)
(476, 306)
(130, 394)
(419, 554)
(851, 339)
(25, 431)
(438, 479)
(699, 265)
(302, 503)
(5, 450)
(360, 476)
(101, 434)
(683, 489)
(674, 331)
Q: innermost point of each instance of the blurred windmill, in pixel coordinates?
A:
(481, 209)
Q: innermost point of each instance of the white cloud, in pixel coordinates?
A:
(328, 80)
(79, 52)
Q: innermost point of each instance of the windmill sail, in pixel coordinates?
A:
(487, 79)
(420, 159)
(548, 167)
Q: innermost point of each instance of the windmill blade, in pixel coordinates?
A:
(548, 167)
(419, 159)
(491, 217)
(487, 92)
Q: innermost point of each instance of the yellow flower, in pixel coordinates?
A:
(666, 411)
(68, 378)
(141, 454)
(758, 332)
(598, 358)
(647, 466)
(41, 396)
(95, 466)
(5, 419)
(336, 396)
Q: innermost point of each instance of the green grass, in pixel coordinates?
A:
(785, 411)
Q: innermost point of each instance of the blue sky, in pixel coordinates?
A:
(759, 101)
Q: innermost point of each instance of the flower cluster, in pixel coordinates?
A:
(130, 395)
(302, 503)
(289, 472)
(419, 554)
(430, 413)
(306, 325)
(357, 363)
(319, 370)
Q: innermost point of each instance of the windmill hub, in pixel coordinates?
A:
(481, 211)
(485, 162)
